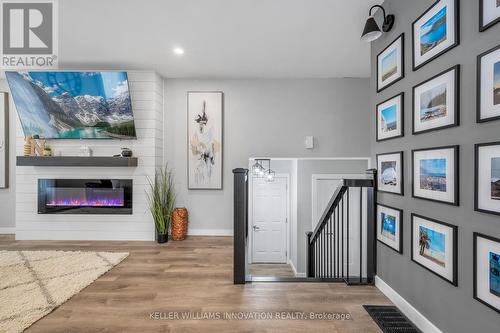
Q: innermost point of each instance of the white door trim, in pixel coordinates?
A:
(250, 215)
(328, 176)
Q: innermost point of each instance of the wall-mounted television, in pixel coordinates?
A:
(73, 105)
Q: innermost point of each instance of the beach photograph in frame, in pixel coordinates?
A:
(436, 102)
(390, 173)
(435, 174)
(434, 247)
(390, 64)
(390, 118)
(435, 32)
(205, 140)
(487, 177)
(488, 85)
(489, 13)
(487, 270)
(390, 226)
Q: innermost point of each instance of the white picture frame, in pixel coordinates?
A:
(435, 174)
(436, 102)
(435, 32)
(487, 177)
(488, 85)
(205, 139)
(390, 173)
(489, 13)
(390, 227)
(390, 64)
(390, 118)
(487, 270)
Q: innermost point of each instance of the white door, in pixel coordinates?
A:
(269, 220)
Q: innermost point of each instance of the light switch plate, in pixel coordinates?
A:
(309, 143)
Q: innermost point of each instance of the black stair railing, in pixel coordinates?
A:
(329, 254)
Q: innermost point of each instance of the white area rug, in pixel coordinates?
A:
(33, 283)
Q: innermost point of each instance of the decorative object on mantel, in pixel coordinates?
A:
(161, 200)
(52, 278)
(47, 152)
(33, 146)
(179, 224)
(126, 152)
(85, 151)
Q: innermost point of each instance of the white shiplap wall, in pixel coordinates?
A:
(147, 103)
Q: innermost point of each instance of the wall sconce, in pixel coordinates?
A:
(372, 31)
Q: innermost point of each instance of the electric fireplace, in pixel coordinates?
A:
(84, 196)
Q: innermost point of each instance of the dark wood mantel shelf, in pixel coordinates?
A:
(76, 161)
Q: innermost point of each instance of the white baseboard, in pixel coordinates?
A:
(210, 232)
(295, 270)
(7, 230)
(408, 310)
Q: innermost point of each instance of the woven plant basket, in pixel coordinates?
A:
(179, 224)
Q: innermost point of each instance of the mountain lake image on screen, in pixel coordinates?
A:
(388, 226)
(433, 174)
(389, 118)
(73, 105)
(432, 245)
(433, 103)
(433, 32)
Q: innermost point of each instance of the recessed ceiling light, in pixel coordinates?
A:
(178, 51)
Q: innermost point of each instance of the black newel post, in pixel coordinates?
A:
(240, 223)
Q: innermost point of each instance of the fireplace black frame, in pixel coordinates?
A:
(125, 184)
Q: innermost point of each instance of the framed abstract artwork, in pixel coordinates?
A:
(435, 174)
(487, 177)
(390, 227)
(489, 13)
(390, 173)
(487, 270)
(4, 140)
(435, 32)
(488, 85)
(205, 135)
(390, 64)
(436, 102)
(390, 118)
(434, 247)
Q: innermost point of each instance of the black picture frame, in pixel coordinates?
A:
(478, 87)
(400, 211)
(401, 156)
(457, 34)
(402, 36)
(456, 103)
(482, 26)
(456, 156)
(477, 235)
(476, 176)
(402, 94)
(454, 228)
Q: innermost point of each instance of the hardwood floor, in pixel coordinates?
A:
(272, 270)
(193, 276)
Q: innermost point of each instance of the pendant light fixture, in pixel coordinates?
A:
(259, 171)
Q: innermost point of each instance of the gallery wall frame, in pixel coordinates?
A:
(193, 116)
(479, 200)
(480, 117)
(399, 41)
(456, 101)
(417, 62)
(456, 169)
(399, 156)
(400, 229)
(480, 293)
(486, 8)
(4, 140)
(400, 124)
(454, 248)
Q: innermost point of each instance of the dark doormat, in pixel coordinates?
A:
(390, 319)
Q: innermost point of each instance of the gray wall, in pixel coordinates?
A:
(450, 308)
(266, 118)
(8, 195)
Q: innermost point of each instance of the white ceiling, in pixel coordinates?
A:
(221, 38)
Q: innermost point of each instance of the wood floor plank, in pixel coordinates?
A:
(193, 276)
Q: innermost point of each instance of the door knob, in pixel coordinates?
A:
(255, 228)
